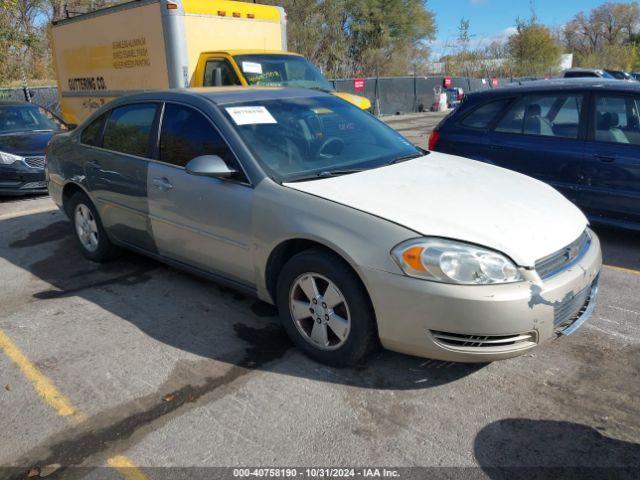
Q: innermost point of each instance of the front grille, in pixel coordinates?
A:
(572, 308)
(35, 162)
(563, 258)
(494, 343)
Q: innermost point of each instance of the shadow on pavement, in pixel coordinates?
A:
(523, 448)
(191, 314)
(18, 198)
(620, 248)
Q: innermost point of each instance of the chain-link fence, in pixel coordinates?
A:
(46, 97)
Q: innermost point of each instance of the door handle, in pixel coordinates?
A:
(496, 147)
(163, 184)
(605, 158)
(94, 164)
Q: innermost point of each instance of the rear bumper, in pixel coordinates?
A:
(482, 323)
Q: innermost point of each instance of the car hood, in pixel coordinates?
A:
(25, 143)
(446, 196)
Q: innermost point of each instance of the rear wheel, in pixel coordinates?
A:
(89, 231)
(325, 309)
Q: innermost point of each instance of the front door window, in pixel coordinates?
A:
(227, 76)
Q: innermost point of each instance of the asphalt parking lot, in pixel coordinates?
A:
(135, 365)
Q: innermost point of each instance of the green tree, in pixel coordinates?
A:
(25, 52)
(19, 38)
(388, 35)
(533, 50)
(7, 12)
(360, 37)
(605, 37)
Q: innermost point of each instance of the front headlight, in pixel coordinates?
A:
(450, 261)
(9, 158)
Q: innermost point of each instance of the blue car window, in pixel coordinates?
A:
(550, 115)
(483, 116)
(617, 119)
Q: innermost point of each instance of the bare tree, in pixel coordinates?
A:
(604, 37)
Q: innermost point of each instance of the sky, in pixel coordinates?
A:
(495, 19)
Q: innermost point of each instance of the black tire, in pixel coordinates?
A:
(105, 250)
(362, 337)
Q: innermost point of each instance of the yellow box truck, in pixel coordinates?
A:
(159, 44)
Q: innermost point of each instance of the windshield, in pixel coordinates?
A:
(273, 70)
(27, 118)
(615, 74)
(302, 138)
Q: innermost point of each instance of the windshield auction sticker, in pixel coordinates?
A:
(251, 115)
(251, 67)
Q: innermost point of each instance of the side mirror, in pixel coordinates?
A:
(209, 166)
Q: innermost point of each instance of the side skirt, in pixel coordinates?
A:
(249, 290)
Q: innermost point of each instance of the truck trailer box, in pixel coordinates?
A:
(152, 44)
(159, 44)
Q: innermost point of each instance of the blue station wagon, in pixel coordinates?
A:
(582, 136)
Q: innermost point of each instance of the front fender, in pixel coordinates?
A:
(361, 239)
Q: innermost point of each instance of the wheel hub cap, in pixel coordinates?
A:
(86, 227)
(320, 311)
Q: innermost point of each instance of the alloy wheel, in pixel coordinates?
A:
(86, 227)
(319, 311)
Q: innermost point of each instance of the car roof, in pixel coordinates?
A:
(583, 69)
(251, 51)
(562, 84)
(226, 95)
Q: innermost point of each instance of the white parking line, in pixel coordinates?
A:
(24, 213)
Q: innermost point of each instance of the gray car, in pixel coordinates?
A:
(313, 205)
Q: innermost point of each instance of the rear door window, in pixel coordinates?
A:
(482, 116)
(617, 119)
(552, 115)
(92, 134)
(129, 129)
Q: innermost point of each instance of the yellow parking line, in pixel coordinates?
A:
(61, 404)
(24, 213)
(623, 269)
(42, 384)
(126, 468)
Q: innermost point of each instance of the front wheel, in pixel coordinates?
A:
(325, 309)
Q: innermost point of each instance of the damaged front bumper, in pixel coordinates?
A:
(470, 323)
